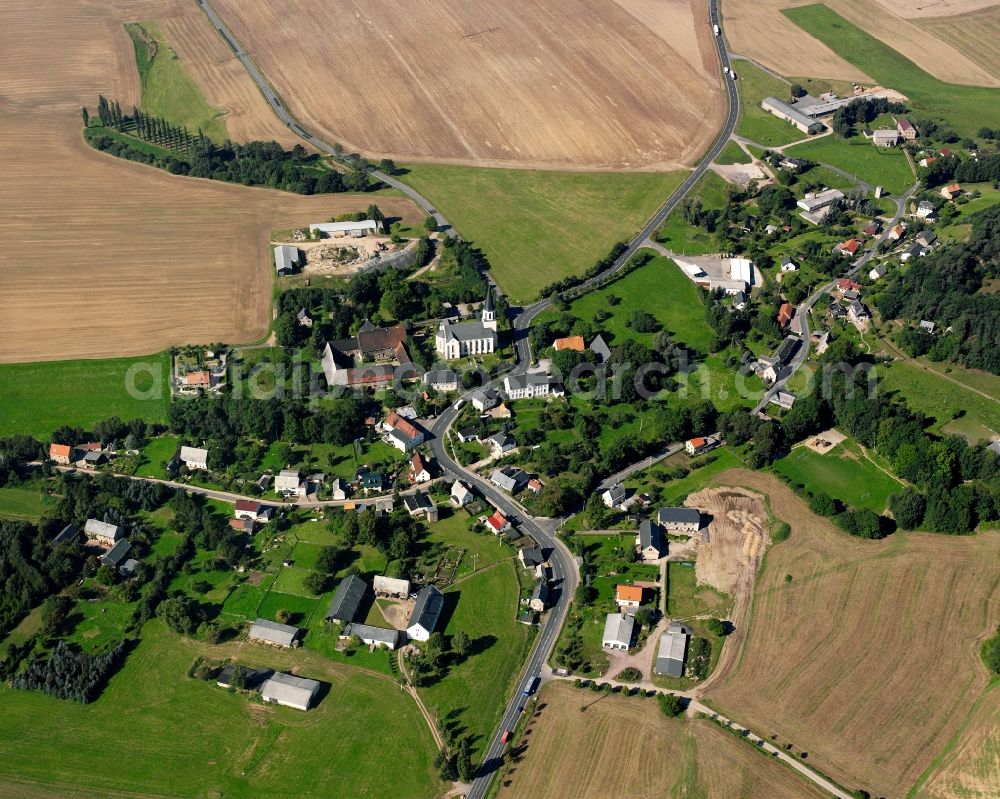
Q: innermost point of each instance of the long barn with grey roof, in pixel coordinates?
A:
(687, 520)
(346, 602)
(290, 691)
(673, 650)
(379, 636)
(273, 633)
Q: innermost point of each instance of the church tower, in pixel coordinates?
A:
(489, 314)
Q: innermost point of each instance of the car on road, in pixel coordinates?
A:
(505, 737)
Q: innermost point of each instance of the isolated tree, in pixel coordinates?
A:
(430, 224)
(315, 582)
(670, 705)
(716, 627)
(460, 643)
(283, 616)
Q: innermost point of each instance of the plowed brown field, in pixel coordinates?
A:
(103, 257)
(561, 84)
(868, 658)
(567, 754)
(758, 30)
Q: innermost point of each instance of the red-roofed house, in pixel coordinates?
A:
(497, 523)
(945, 152)
(951, 192)
(200, 379)
(535, 485)
(418, 470)
(401, 433)
(849, 247)
(785, 313)
(628, 596)
(60, 453)
(250, 509)
(698, 445)
(574, 343)
(846, 284)
(897, 233)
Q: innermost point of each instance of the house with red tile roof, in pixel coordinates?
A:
(60, 453)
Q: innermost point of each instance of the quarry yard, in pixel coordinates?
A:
(128, 259)
(569, 84)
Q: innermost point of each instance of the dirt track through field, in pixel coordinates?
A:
(867, 658)
(104, 257)
(586, 745)
(564, 84)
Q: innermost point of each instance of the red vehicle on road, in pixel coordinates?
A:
(505, 737)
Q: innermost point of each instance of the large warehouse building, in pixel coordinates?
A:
(784, 111)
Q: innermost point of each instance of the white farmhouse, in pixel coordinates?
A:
(194, 457)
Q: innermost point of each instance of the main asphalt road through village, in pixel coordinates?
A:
(565, 570)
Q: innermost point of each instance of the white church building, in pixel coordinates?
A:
(457, 340)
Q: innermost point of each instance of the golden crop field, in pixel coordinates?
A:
(627, 741)
(971, 767)
(975, 33)
(867, 658)
(564, 84)
(105, 257)
(760, 31)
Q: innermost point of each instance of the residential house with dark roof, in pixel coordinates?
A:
(649, 540)
(684, 520)
(426, 613)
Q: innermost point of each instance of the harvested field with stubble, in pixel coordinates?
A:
(560, 85)
(867, 658)
(105, 257)
(565, 754)
(759, 30)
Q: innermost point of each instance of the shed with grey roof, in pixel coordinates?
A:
(114, 556)
(673, 650)
(68, 534)
(426, 613)
(347, 599)
(618, 631)
(372, 635)
(264, 631)
(286, 258)
(289, 690)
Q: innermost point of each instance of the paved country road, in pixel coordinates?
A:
(565, 571)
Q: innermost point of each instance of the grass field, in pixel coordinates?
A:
(167, 89)
(680, 237)
(968, 108)
(566, 744)
(17, 502)
(954, 408)
(155, 455)
(732, 153)
(36, 398)
(880, 166)
(756, 123)
(473, 693)
(538, 227)
(843, 472)
(660, 288)
(868, 657)
(685, 597)
(153, 724)
(674, 492)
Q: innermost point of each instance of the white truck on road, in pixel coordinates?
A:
(715, 29)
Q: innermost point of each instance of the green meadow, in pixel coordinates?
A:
(36, 398)
(537, 227)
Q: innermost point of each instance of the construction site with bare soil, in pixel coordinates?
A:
(567, 84)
